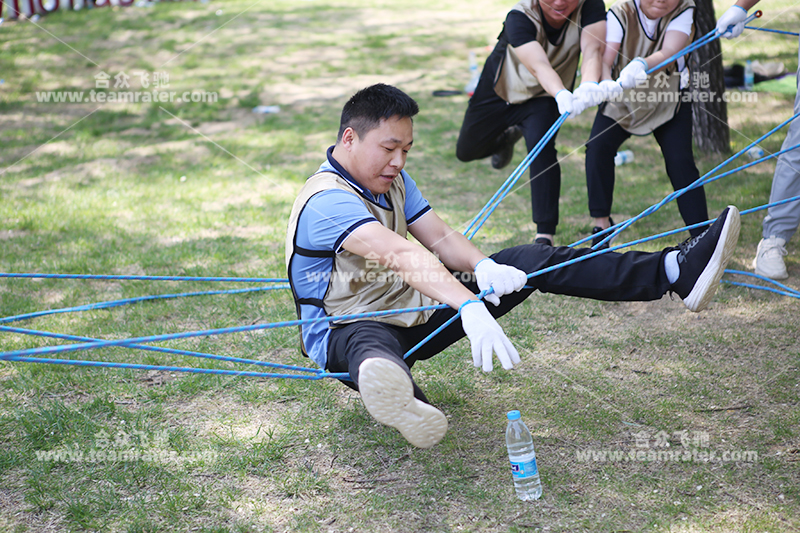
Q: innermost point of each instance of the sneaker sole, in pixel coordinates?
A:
(388, 395)
(706, 285)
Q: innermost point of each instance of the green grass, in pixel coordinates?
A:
(204, 189)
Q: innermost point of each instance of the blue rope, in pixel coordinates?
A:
(772, 31)
(127, 301)
(618, 228)
(654, 237)
(209, 332)
(20, 355)
(506, 187)
(707, 38)
(159, 349)
(767, 206)
(760, 287)
(787, 291)
(141, 278)
(107, 364)
(700, 183)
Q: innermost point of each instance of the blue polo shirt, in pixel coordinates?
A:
(327, 219)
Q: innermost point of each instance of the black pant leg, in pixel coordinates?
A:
(632, 276)
(545, 172)
(487, 116)
(675, 139)
(604, 141)
(352, 344)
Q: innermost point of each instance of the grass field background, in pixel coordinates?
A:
(204, 189)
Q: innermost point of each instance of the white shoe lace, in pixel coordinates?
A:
(773, 249)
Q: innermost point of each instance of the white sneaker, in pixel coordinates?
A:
(769, 258)
(388, 394)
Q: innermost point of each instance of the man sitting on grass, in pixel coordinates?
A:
(347, 253)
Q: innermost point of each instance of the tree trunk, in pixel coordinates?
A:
(710, 119)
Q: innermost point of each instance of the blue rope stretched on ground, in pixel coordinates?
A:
(787, 291)
(141, 278)
(128, 301)
(23, 355)
(205, 333)
(189, 369)
(159, 349)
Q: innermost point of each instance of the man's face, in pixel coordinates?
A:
(655, 9)
(558, 11)
(377, 159)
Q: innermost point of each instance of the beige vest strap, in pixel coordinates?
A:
(644, 108)
(514, 83)
(360, 284)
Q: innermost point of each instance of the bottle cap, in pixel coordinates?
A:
(513, 415)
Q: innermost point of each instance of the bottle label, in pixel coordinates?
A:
(524, 468)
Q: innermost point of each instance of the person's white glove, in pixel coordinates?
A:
(590, 94)
(634, 73)
(734, 16)
(610, 89)
(564, 100)
(486, 337)
(504, 279)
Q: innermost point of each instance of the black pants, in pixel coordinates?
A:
(674, 138)
(633, 276)
(488, 115)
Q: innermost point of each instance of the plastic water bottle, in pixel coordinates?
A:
(755, 152)
(625, 156)
(749, 77)
(267, 109)
(523, 459)
(474, 75)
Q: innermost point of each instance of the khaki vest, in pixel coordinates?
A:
(358, 284)
(644, 108)
(514, 83)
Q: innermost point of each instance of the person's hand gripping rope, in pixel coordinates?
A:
(486, 337)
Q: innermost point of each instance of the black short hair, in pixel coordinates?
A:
(365, 109)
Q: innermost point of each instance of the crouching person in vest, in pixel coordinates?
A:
(640, 35)
(347, 253)
(526, 85)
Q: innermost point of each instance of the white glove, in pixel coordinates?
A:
(634, 73)
(590, 94)
(734, 16)
(564, 100)
(610, 89)
(486, 336)
(504, 279)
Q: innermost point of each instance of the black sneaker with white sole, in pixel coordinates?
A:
(388, 395)
(702, 260)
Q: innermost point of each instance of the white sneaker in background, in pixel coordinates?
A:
(769, 258)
